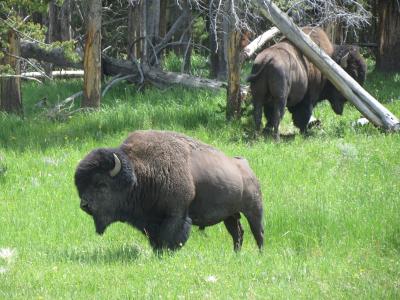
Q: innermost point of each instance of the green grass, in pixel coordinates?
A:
(332, 205)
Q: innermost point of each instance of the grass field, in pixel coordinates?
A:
(332, 205)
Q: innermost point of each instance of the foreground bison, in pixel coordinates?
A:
(162, 182)
(282, 76)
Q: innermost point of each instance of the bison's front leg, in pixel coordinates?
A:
(301, 114)
(174, 232)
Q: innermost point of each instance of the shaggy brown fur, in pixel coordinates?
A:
(167, 182)
(283, 77)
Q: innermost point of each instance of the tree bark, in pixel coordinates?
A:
(134, 42)
(218, 44)
(233, 106)
(388, 36)
(233, 50)
(163, 17)
(54, 27)
(92, 57)
(59, 26)
(186, 39)
(361, 99)
(65, 21)
(10, 94)
(150, 20)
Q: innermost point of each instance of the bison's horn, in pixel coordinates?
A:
(117, 166)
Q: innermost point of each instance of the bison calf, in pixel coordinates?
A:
(163, 182)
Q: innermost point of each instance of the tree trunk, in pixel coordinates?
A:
(65, 21)
(54, 27)
(163, 17)
(92, 57)
(59, 26)
(187, 39)
(10, 94)
(218, 44)
(134, 42)
(150, 20)
(350, 89)
(234, 39)
(388, 35)
(53, 31)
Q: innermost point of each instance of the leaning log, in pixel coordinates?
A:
(362, 100)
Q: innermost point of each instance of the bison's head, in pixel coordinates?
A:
(350, 59)
(105, 179)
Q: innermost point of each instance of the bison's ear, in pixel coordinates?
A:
(117, 166)
(343, 60)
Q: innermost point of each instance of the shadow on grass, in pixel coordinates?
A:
(124, 254)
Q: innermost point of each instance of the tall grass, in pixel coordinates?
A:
(332, 205)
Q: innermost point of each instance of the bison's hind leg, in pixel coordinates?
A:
(174, 232)
(254, 217)
(234, 227)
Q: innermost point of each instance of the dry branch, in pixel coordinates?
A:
(113, 82)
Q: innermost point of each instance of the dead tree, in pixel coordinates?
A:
(10, 94)
(59, 26)
(388, 35)
(233, 104)
(92, 57)
(361, 99)
(133, 36)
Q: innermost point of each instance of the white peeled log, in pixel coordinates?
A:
(362, 100)
(257, 43)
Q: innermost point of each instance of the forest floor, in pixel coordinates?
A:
(332, 204)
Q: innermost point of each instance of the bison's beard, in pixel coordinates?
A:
(101, 225)
(337, 104)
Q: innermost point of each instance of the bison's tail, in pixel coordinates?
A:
(256, 71)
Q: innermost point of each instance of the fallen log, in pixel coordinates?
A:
(362, 100)
(55, 74)
(113, 66)
(55, 56)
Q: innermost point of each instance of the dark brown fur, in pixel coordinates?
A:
(283, 77)
(167, 182)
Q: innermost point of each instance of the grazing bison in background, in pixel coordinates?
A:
(163, 182)
(282, 76)
(350, 59)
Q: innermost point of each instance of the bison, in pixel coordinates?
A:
(163, 182)
(282, 77)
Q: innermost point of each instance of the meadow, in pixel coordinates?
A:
(332, 226)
